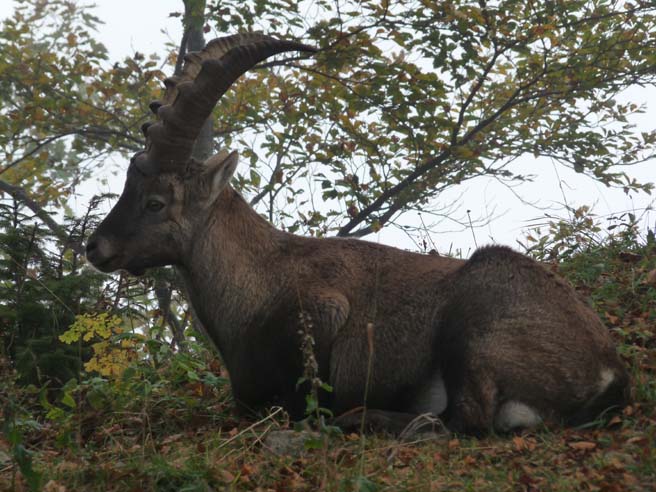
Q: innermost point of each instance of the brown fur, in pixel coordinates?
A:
(498, 327)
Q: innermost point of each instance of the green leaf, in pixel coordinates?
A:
(68, 400)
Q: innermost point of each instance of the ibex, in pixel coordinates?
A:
(497, 342)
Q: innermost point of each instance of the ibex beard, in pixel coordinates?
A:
(497, 342)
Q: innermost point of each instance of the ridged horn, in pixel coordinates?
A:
(190, 97)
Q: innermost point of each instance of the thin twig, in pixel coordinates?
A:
(252, 426)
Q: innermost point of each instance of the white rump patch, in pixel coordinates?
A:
(607, 376)
(432, 397)
(515, 414)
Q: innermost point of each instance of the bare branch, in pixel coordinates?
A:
(30, 153)
(18, 193)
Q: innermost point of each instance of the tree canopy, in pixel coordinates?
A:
(403, 100)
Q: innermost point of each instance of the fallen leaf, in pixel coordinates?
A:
(526, 480)
(172, 438)
(629, 479)
(469, 460)
(226, 476)
(53, 486)
(519, 442)
(479, 484)
(454, 444)
(582, 445)
(616, 464)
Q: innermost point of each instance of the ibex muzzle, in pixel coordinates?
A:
(495, 342)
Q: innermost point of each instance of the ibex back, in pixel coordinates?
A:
(495, 342)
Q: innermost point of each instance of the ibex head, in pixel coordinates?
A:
(166, 190)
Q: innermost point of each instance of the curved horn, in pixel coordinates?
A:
(190, 97)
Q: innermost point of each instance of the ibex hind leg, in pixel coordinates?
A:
(472, 405)
(476, 411)
(405, 425)
(515, 415)
(614, 393)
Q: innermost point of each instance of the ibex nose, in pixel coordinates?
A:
(98, 250)
(93, 250)
(92, 245)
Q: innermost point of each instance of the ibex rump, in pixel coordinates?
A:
(495, 342)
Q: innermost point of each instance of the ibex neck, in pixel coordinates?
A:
(234, 224)
(231, 275)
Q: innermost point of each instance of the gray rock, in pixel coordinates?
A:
(288, 442)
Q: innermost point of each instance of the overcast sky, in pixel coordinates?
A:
(145, 26)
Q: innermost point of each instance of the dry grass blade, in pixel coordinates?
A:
(277, 411)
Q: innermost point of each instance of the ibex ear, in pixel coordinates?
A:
(219, 170)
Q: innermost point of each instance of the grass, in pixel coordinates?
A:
(173, 427)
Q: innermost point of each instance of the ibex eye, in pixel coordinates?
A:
(154, 205)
